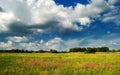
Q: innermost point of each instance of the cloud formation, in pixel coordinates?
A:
(46, 14)
(20, 19)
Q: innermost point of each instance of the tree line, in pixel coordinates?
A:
(90, 49)
(31, 51)
(85, 50)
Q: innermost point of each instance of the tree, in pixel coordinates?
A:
(113, 50)
(77, 50)
(105, 49)
(118, 50)
(53, 51)
(90, 50)
(41, 51)
(102, 49)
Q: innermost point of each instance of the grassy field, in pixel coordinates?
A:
(59, 64)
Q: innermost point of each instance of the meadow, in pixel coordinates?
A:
(59, 64)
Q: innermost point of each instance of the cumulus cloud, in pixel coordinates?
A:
(46, 14)
(19, 8)
(7, 45)
(5, 19)
(56, 43)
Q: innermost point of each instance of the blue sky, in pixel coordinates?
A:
(67, 3)
(59, 24)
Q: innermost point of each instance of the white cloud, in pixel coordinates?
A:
(5, 19)
(93, 9)
(113, 2)
(28, 46)
(112, 44)
(18, 39)
(40, 12)
(85, 21)
(112, 16)
(19, 8)
(7, 45)
(58, 43)
(109, 18)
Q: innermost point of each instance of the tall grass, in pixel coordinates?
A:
(59, 64)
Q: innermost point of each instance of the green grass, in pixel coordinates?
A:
(59, 64)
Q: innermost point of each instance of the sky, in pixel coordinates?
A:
(59, 24)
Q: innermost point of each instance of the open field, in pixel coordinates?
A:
(59, 64)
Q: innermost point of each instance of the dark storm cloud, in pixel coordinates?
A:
(18, 27)
(21, 29)
(1, 9)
